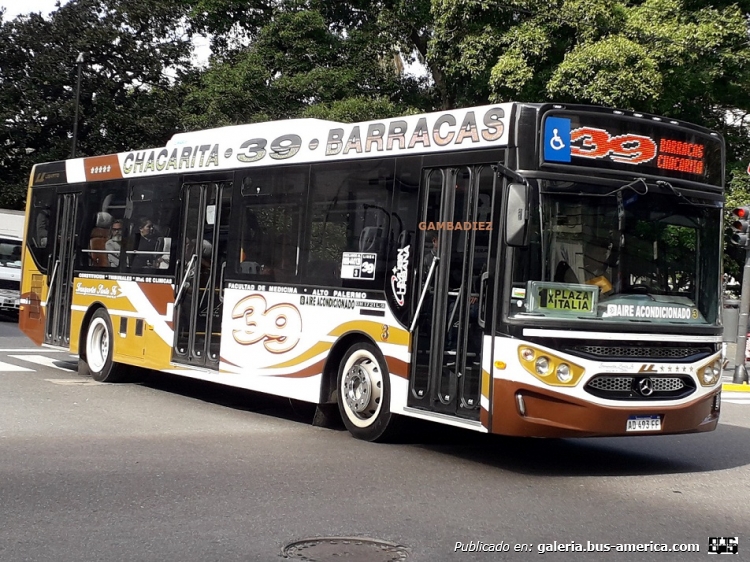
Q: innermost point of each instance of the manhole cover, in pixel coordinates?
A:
(344, 549)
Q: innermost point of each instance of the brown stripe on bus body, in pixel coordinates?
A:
(397, 367)
(311, 371)
(158, 294)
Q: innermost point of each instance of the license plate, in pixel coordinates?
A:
(643, 423)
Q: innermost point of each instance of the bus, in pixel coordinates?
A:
(545, 270)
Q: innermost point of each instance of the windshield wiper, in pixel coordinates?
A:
(630, 185)
(662, 183)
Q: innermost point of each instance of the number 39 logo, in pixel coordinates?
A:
(278, 327)
(589, 142)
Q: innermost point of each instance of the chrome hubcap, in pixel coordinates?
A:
(358, 389)
(362, 389)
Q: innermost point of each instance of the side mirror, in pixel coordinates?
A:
(516, 214)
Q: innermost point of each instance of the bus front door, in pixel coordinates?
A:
(456, 214)
(200, 273)
(60, 272)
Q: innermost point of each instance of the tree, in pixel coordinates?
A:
(136, 56)
(304, 61)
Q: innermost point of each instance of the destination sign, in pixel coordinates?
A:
(623, 143)
(563, 298)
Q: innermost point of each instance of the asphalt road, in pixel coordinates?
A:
(176, 470)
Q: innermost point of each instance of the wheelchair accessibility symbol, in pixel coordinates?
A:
(557, 139)
(556, 143)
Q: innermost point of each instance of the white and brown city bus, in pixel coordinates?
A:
(519, 269)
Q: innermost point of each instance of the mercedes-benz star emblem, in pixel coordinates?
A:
(646, 387)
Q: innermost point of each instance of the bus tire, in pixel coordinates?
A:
(364, 393)
(99, 349)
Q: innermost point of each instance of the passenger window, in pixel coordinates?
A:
(153, 217)
(349, 223)
(272, 203)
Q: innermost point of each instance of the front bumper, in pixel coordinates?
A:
(552, 414)
(9, 300)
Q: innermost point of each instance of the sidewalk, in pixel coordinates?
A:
(728, 375)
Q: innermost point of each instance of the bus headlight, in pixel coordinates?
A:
(548, 368)
(563, 373)
(542, 366)
(710, 374)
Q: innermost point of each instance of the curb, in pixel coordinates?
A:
(731, 387)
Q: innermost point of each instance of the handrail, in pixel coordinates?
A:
(480, 304)
(183, 284)
(52, 281)
(221, 282)
(435, 259)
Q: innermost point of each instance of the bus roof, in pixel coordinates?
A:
(300, 141)
(293, 141)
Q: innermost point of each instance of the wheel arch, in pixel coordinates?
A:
(329, 386)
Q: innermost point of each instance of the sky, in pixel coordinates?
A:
(14, 8)
(17, 7)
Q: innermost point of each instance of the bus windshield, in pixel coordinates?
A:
(623, 255)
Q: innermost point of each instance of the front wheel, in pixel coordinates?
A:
(99, 349)
(364, 393)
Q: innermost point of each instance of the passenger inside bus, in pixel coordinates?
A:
(146, 245)
(430, 254)
(42, 227)
(114, 243)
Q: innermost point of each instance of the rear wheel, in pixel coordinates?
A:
(99, 348)
(364, 393)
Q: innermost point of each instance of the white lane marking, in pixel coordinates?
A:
(29, 350)
(10, 368)
(44, 361)
(74, 382)
(735, 397)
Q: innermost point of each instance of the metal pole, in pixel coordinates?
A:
(79, 61)
(740, 371)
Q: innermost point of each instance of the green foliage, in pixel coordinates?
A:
(127, 99)
(304, 62)
(614, 72)
(353, 110)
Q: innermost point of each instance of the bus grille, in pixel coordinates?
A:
(638, 387)
(10, 284)
(644, 353)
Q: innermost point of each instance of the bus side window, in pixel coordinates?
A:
(269, 241)
(349, 214)
(153, 208)
(251, 248)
